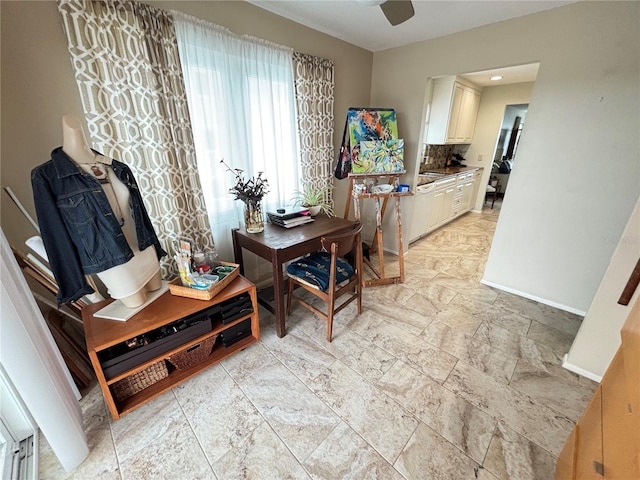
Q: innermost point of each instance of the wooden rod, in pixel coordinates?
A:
(630, 287)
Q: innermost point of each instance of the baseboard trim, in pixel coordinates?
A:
(580, 371)
(534, 298)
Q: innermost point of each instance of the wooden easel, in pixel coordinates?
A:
(376, 243)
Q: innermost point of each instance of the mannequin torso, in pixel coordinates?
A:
(130, 281)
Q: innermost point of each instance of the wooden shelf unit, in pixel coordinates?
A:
(102, 333)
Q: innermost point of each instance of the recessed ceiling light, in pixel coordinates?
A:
(496, 77)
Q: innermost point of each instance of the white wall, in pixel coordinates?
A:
(577, 176)
(599, 336)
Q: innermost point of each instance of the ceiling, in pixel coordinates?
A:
(365, 25)
(514, 74)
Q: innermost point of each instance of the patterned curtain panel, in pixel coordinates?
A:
(314, 82)
(126, 63)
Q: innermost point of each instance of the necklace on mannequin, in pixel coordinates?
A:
(100, 171)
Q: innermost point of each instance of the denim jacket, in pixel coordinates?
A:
(78, 227)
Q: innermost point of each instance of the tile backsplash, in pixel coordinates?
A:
(435, 156)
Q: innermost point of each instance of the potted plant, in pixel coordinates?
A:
(315, 199)
(250, 192)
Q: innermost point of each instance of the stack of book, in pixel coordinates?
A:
(290, 217)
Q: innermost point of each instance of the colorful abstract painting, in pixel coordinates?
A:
(371, 124)
(364, 124)
(380, 156)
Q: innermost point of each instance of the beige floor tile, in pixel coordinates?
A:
(549, 387)
(303, 356)
(534, 420)
(368, 360)
(345, 455)
(145, 425)
(219, 413)
(565, 321)
(513, 457)
(430, 456)
(464, 425)
(378, 419)
(467, 288)
(440, 377)
(173, 454)
(410, 316)
(261, 455)
(559, 341)
(433, 362)
(298, 417)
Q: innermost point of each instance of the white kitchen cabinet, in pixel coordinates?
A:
(443, 198)
(467, 194)
(435, 218)
(447, 204)
(477, 177)
(447, 198)
(422, 212)
(454, 110)
(457, 207)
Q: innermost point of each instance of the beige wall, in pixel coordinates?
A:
(577, 176)
(38, 86)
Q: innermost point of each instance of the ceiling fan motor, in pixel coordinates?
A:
(396, 11)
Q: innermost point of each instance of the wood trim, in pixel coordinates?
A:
(632, 284)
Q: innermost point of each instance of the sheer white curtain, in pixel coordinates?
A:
(241, 99)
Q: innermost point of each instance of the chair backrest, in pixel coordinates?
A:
(344, 242)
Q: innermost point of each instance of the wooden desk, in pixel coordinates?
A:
(280, 245)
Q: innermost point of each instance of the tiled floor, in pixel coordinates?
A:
(440, 378)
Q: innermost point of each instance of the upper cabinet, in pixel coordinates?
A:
(454, 109)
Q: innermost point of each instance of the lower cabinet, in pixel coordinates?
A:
(477, 177)
(435, 216)
(168, 342)
(467, 194)
(451, 198)
(442, 203)
(422, 212)
(605, 443)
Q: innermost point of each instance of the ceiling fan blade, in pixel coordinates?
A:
(397, 11)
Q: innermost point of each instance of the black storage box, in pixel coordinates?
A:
(124, 356)
(235, 308)
(236, 333)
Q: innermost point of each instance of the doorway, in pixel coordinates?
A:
(507, 145)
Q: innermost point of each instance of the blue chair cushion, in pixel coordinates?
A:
(314, 270)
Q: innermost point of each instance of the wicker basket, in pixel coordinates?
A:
(176, 287)
(132, 384)
(194, 354)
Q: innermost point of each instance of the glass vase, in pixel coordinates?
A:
(253, 218)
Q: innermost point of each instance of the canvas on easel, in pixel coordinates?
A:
(372, 124)
(380, 156)
(364, 124)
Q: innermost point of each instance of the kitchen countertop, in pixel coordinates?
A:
(447, 171)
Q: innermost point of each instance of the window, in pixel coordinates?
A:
(242, 105)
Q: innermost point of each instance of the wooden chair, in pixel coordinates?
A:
(493, 191)
(330, 274)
